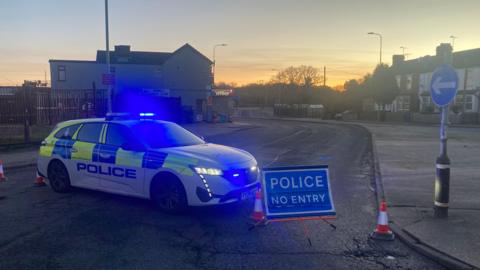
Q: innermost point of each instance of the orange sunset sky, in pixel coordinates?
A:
(262, 36)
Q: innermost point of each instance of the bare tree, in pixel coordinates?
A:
(301, 76)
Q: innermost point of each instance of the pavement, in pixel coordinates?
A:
(407, 164)
(406, 169)
(83, 229)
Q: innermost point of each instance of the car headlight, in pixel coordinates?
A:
(207, 171)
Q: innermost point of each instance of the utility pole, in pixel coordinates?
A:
(403, 49)
(324, 76)
(107, 56)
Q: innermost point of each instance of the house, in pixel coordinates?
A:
(414, 76)
(184, 74)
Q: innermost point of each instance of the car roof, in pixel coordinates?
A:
(127, 122)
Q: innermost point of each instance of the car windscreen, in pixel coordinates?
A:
(161, 135)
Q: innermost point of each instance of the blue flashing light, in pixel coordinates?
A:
(147, 114)
(236, 175)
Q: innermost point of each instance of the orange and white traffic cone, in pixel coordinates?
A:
(258, 214)
(2, 174)
(39, 181)
(382, 232)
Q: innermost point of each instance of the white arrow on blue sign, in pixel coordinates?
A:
(444, 85)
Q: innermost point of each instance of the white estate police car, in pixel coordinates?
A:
(146, 158)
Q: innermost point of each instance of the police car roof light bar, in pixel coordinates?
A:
(129, 116)
(146, 114)
(117, 116)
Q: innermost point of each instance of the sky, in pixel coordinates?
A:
(263, 36)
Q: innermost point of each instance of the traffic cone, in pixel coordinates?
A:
(382, 232)
(39, 181)
(2, 174)
(257, 214)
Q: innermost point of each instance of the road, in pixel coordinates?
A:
(40, 229)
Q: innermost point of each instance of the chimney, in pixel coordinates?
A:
(444, 49)
(397, 59)
(122, 49)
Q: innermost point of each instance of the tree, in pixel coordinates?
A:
(384, 87)
(301, 76)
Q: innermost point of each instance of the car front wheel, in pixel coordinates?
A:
(58, 177)
(169, 195)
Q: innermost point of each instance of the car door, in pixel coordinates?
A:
(62, 148)
(83, 169)
(124, 153)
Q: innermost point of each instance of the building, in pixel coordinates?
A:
(414, 76)
(184, 74)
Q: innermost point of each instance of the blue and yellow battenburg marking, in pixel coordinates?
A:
(115, 155)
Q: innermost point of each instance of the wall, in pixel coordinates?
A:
(266, 112)
(81, 75)
(187, 63)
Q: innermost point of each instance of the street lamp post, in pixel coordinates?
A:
(107, 56)
(380, 36)
(213, 69)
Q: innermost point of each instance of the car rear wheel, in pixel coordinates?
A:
(58, 177)
(169, 195)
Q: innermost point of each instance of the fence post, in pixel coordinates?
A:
(94, 100)
(26, 122)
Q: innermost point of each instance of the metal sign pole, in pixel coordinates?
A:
(443, 89)
(442, 177)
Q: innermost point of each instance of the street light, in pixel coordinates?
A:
(403, 49)
(453, 41)
(380, 36)
(213, 70)
(107, 56)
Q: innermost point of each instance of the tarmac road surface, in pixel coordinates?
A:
(41, 229)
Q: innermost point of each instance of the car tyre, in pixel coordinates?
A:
(169, 195)
(58, 177)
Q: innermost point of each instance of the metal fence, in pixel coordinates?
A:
(29, 113)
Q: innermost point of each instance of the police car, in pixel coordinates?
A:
(146, 158)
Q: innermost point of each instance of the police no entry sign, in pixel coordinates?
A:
(297, 192)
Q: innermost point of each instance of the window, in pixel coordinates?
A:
(62, 73)
(403, 103)
(468, 102)
(399, 80)
(118, 135)
(426, 100)
(409, 82)
(160, 135)
(90, 132)
(66, 133)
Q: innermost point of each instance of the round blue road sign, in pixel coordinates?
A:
(444, 85)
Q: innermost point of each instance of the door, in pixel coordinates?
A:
(62, 148)
(83, 169)
(124, 153)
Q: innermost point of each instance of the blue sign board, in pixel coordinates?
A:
(297, 192)
(444, 85)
